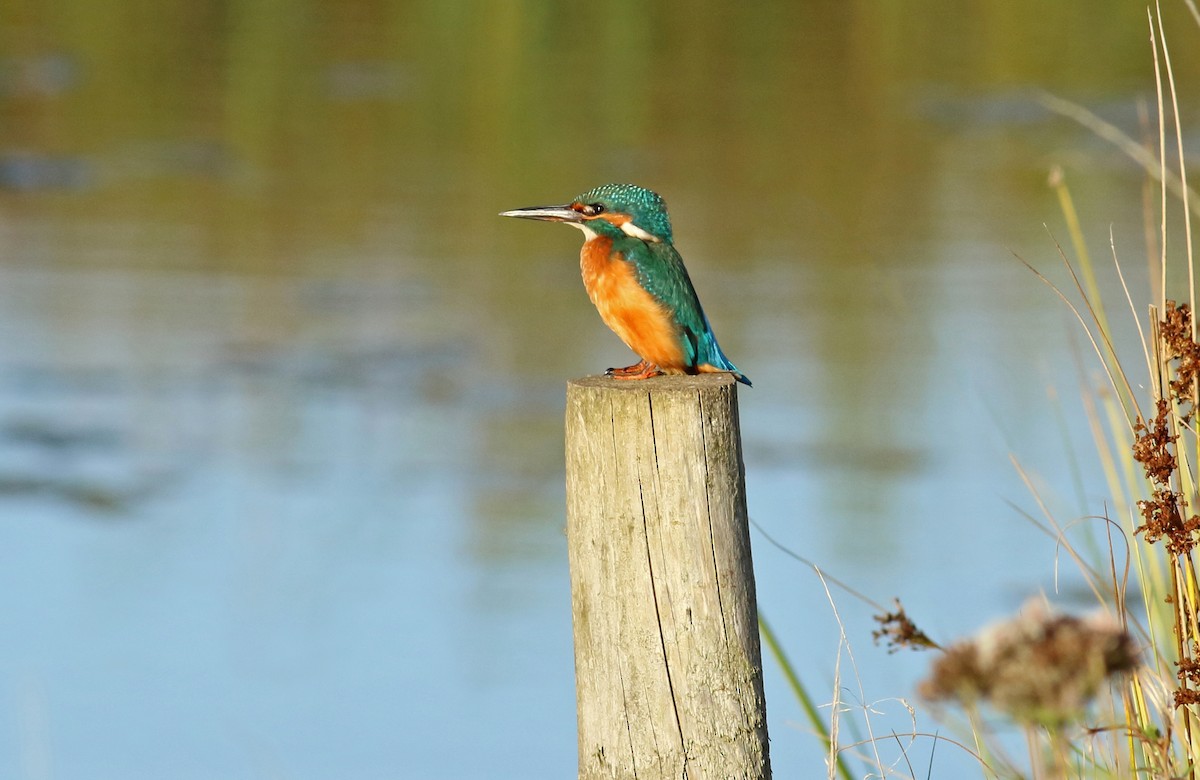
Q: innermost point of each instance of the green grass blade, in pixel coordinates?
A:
(800, 692)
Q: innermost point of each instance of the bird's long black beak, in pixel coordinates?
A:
(546, 213)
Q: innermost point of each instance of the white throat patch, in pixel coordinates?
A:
(588, 233)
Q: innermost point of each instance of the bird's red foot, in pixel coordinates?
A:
(642, 370)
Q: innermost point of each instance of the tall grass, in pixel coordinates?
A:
(1115, 694)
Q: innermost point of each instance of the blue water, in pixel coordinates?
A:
(337, 553)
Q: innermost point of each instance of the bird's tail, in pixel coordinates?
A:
(717, 359)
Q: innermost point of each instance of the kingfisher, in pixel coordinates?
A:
(637, 281)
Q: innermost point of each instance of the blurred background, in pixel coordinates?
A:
(281, 489)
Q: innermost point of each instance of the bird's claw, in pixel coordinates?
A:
(643, 370)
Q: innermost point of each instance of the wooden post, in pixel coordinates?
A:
(668, 669)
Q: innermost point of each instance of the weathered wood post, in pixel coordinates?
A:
(668, 669)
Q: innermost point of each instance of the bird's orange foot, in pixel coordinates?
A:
(621, 373)
(642, 370)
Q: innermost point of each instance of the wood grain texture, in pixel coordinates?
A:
(667, 659)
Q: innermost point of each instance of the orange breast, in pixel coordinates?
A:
(644, 324)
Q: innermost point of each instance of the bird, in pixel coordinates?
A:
(637, 281)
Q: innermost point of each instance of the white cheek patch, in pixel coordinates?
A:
(634, 231)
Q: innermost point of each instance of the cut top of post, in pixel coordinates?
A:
(666, 382)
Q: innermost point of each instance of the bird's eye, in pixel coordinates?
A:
(592, 209)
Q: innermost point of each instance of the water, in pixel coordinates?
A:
(280, 396)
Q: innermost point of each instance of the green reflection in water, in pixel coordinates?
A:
(376, 141)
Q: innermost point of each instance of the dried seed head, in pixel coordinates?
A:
(899, 630)
(1152, 446)
(1037, 667)
(1175, 330)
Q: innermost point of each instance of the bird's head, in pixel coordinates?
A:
(611, 210)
